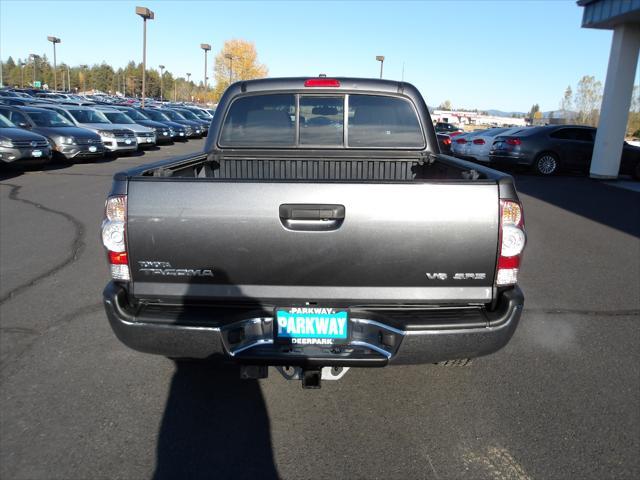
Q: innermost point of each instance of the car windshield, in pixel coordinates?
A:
(189, 115)
(200, 114)
(173, 115)
(47, 118)
(156, 115)
(5, 123)
(118, 117)
(88, 116)
(136, 115)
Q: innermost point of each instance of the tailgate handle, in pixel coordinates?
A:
(311, 216)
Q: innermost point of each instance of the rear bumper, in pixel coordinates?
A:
(374, 342)
(509, 159)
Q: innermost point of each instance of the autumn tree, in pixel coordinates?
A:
(237, 60)
(588, 99)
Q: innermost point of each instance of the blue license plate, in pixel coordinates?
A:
(312, 325)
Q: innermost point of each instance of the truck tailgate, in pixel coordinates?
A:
(290, 242)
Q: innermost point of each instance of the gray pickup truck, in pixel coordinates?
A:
(319, 230)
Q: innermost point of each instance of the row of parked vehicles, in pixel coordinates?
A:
(544, 150)
(38, 129)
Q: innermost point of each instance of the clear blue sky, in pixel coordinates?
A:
(483, 54)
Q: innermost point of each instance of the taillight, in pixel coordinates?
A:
(461, 141)
(514, 141)
(447, 141)
(512, 240)
(322, 82)
(478, 141)
(113, 236)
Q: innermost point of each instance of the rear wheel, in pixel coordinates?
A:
(546, 164)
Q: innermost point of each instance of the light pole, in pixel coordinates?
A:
(84, 78)
(146, 14)
(54, 40)
(35, 62)
(68, 78)
(22, 64)
(189, 85)
(230, 57)
(161, 80)
(206, 47)
(380, 58)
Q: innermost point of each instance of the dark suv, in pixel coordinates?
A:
(552, 148)
(17, 145)
(67, 141)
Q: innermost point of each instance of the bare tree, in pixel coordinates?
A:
(566, 104)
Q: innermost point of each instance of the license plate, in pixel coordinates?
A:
(165, 133)
(311, 325)
(127, 141)
(181, 134)
(93, 149)
(36, 153)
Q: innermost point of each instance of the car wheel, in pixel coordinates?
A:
(546, 164)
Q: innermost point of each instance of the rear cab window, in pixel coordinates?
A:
(322, 120)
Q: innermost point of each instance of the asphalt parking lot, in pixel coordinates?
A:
(562, 400)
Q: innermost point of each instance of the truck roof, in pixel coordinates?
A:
(298, 83)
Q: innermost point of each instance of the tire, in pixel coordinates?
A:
(460, 362)
(546, 164)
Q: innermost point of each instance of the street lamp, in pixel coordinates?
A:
(22, 64)
(146, 14)
(380, 58)
(35, 58)
(161, 79)
(206, 47)
(230, 57)
(84, 77)
(54, 40)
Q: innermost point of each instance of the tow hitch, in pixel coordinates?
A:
(310, 377)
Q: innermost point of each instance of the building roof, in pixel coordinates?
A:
(609, 13)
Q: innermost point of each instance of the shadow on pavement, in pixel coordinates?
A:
(615, 207)
(215, 424)
(12, 170)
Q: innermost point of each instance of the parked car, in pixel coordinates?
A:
(180, 131)
(146, 136)
(201, 113)
(8, 93)
(319, 248)
(16, 100)
(66, 140)
(475, 146)
(189, 115)
(444, 141)
(115, 139)
(549, 149)
(175, 116)
(448, 128)
(164, 133)
(18, 146)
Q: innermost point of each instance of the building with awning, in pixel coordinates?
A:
(623, 17)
